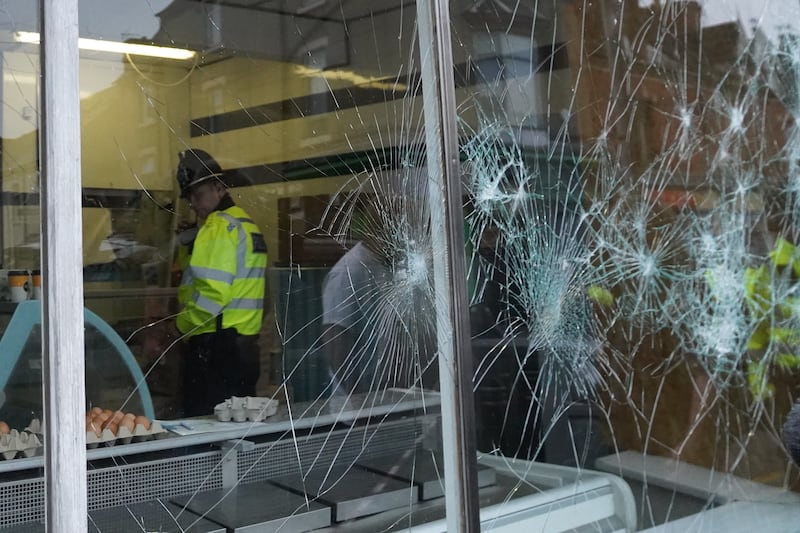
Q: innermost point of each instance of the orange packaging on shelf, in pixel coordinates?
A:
(18, 285)
(36, 278)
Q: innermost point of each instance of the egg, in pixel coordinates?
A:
(92, 426)
(113, 427)
(101, 420)
(128, 423)
(108, 412)
(118, 415)
(142, 421)
(4, 429)
(96, 410)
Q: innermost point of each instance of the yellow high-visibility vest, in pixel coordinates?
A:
(227, 276)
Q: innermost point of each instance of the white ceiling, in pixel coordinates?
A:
(329, 9)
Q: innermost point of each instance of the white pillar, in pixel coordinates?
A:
(62, 261)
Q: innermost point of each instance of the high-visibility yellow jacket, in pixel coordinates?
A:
(226, 272)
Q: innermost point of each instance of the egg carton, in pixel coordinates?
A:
(252, 408)
(124, 435)
(36, 426)
(19, 443)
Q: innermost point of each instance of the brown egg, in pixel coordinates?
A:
(101, 420)
(129, 415)
(96, 410)
(128, 423)
(143, 421)
(93, 426)
(113, 427)
(4, 429)
(107, 422)
(108, 412)
(118, 415)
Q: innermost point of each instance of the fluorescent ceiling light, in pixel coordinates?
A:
(387, 84)
(115, 47)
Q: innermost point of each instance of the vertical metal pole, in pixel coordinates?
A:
(449, 263)
(62, 260)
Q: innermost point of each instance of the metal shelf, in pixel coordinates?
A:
(304, 416)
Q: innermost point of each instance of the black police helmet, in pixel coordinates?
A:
(195, 167)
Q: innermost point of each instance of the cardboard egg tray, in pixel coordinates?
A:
(124, 435)
(252, 408)
(29, 441)
(19, 444)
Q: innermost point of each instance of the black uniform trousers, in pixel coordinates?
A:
(217, 366)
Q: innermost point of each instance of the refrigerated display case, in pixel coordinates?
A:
(113, 376)
(374, 466)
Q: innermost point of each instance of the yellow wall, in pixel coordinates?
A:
(261, 202)
(135, 119)
(243, 83)
(132, 130)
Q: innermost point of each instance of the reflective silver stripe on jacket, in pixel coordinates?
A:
(213, 274)
(241, 247)
(207, 304)
(255, 273)
(246, 303)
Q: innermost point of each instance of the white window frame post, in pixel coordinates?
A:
(62, 261)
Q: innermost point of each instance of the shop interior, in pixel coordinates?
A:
(306, 105)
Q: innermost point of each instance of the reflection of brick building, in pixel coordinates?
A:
(645, 83)
(678, 107)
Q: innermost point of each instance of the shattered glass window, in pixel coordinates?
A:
(271, 342)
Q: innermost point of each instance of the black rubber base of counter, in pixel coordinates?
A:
(352, 492)
(423, 469)
(151, 516)
(258, 507)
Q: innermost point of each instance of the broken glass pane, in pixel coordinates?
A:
(630, 200)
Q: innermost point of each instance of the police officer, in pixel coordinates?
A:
(222, 290)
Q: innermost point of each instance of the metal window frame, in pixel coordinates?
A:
(449, 267)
